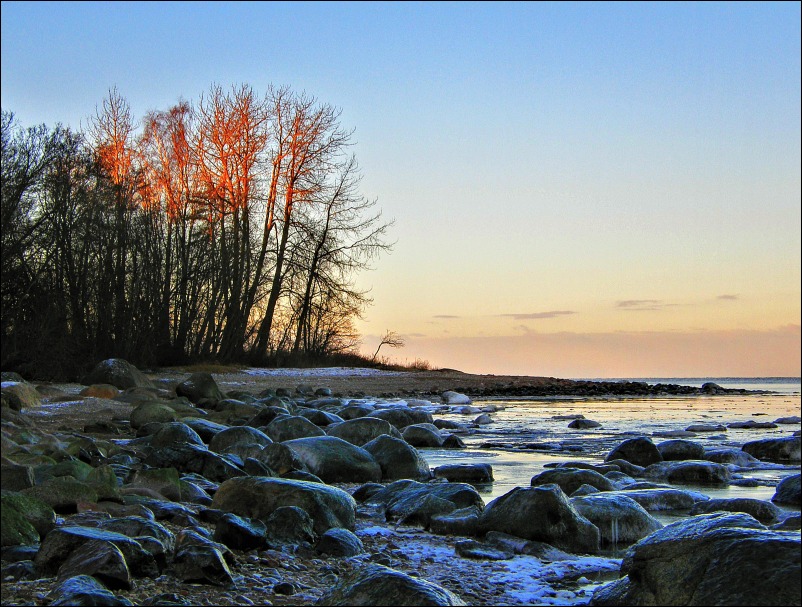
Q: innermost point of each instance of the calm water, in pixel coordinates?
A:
(525, 436)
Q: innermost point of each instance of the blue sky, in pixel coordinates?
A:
(536, 157)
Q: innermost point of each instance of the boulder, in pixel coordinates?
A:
(397, 459)
(788, 491)
(200, 388)
(785, 449)
(84, 590)
(455, 398)
(792, 419)
(571, 479)
(152, 412)
(706, 428)
(280, 458)
(290, 526)
(711, 559)
(663, 498)
(361, 430)
(410, 501)
(339, 542)
(201, 564)
(102, 560)
(25, 518)
(465, 473)
(238, 435)
(677, 450)
(543, 514)
(763, 511)
(257, 497)
(239, 533)
(118, 373)
(689, 472)
(640, 451)
(289, 428)
(19, 395)
(736, 457)
(463, 521)
(321, 418)
(584, 424)
(173, 433)
(379, 585)
(620, 519)
(423, 435)
(100, 391)
(61, 542)
(336, 461)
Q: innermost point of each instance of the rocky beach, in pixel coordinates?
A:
(358, 486)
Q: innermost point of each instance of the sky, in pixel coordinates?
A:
(577, 189)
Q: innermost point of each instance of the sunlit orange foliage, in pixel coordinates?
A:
(112, 130)
(232, 133)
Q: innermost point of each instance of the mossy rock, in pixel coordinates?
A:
(16, 530)
(150, 412)
(75, 468)
(63, 493)
(36, 512)
(20, 395)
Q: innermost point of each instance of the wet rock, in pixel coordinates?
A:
(689, 472)
(164, 481)
(15, 477)
(355, 411)
(543, 514)
(397, 459)
(339, 542)
(175, 432)
(200, 388)
(663, 498)
(16, 529)
(541, 550)
(267, 415)
(706, 428)
(239, 533)
(423, 435)
(678, 450)
(379, 585)
(735, 457)
(84, 590)
(764, 512)
(321, 418)
(61, 542)
(63, 493)
(280, 458)
(640, 451)
(788, 491)
(455, 398)
(570, 479)
(236, 436)
(201, 564)
(335, 460)
(624, 466)
(620, 519)
(712, 559)
(100, 391)
(584, 424)
(152, 412)
(137, 527)
(751, 425)
(419, 502)
(786, 449)
(452, 441)
(119, 373)
(465, 473)
(257, 497)
(361, 430)
(102, 560)
(291, 428)
(790, 523)
(471, 549)
(37, 513)
(793, 419)
(290, 525)
(463, 521)
(19, 395)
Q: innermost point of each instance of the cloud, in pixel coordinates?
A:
(538, 315)
(446, 316)
(728, 297)
(641, 305)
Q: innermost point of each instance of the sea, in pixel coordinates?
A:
(529, 435)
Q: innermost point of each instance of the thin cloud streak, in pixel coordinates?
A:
(538, 315)
(728, 297)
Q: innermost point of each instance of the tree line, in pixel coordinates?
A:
(228, 229)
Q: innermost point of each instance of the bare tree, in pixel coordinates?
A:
(390, 338)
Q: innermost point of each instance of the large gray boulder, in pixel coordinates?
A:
(361, 430)
(19, 395)
(289, 428)
(712, 559)
(679, 449)
(119, 373)
(200, 388)
(398, 459)
(620, 519)
(640, 451)
(785, 449)
(256, 497)
(238, 435)
(423, 435)
(763, 511)
(379, 585)
(734, 457)
(788, 491)
(543, 514)
(658, 499)
(411, 501)
(689, 472)
(465, 473)
(571, 479)
(336, 461)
